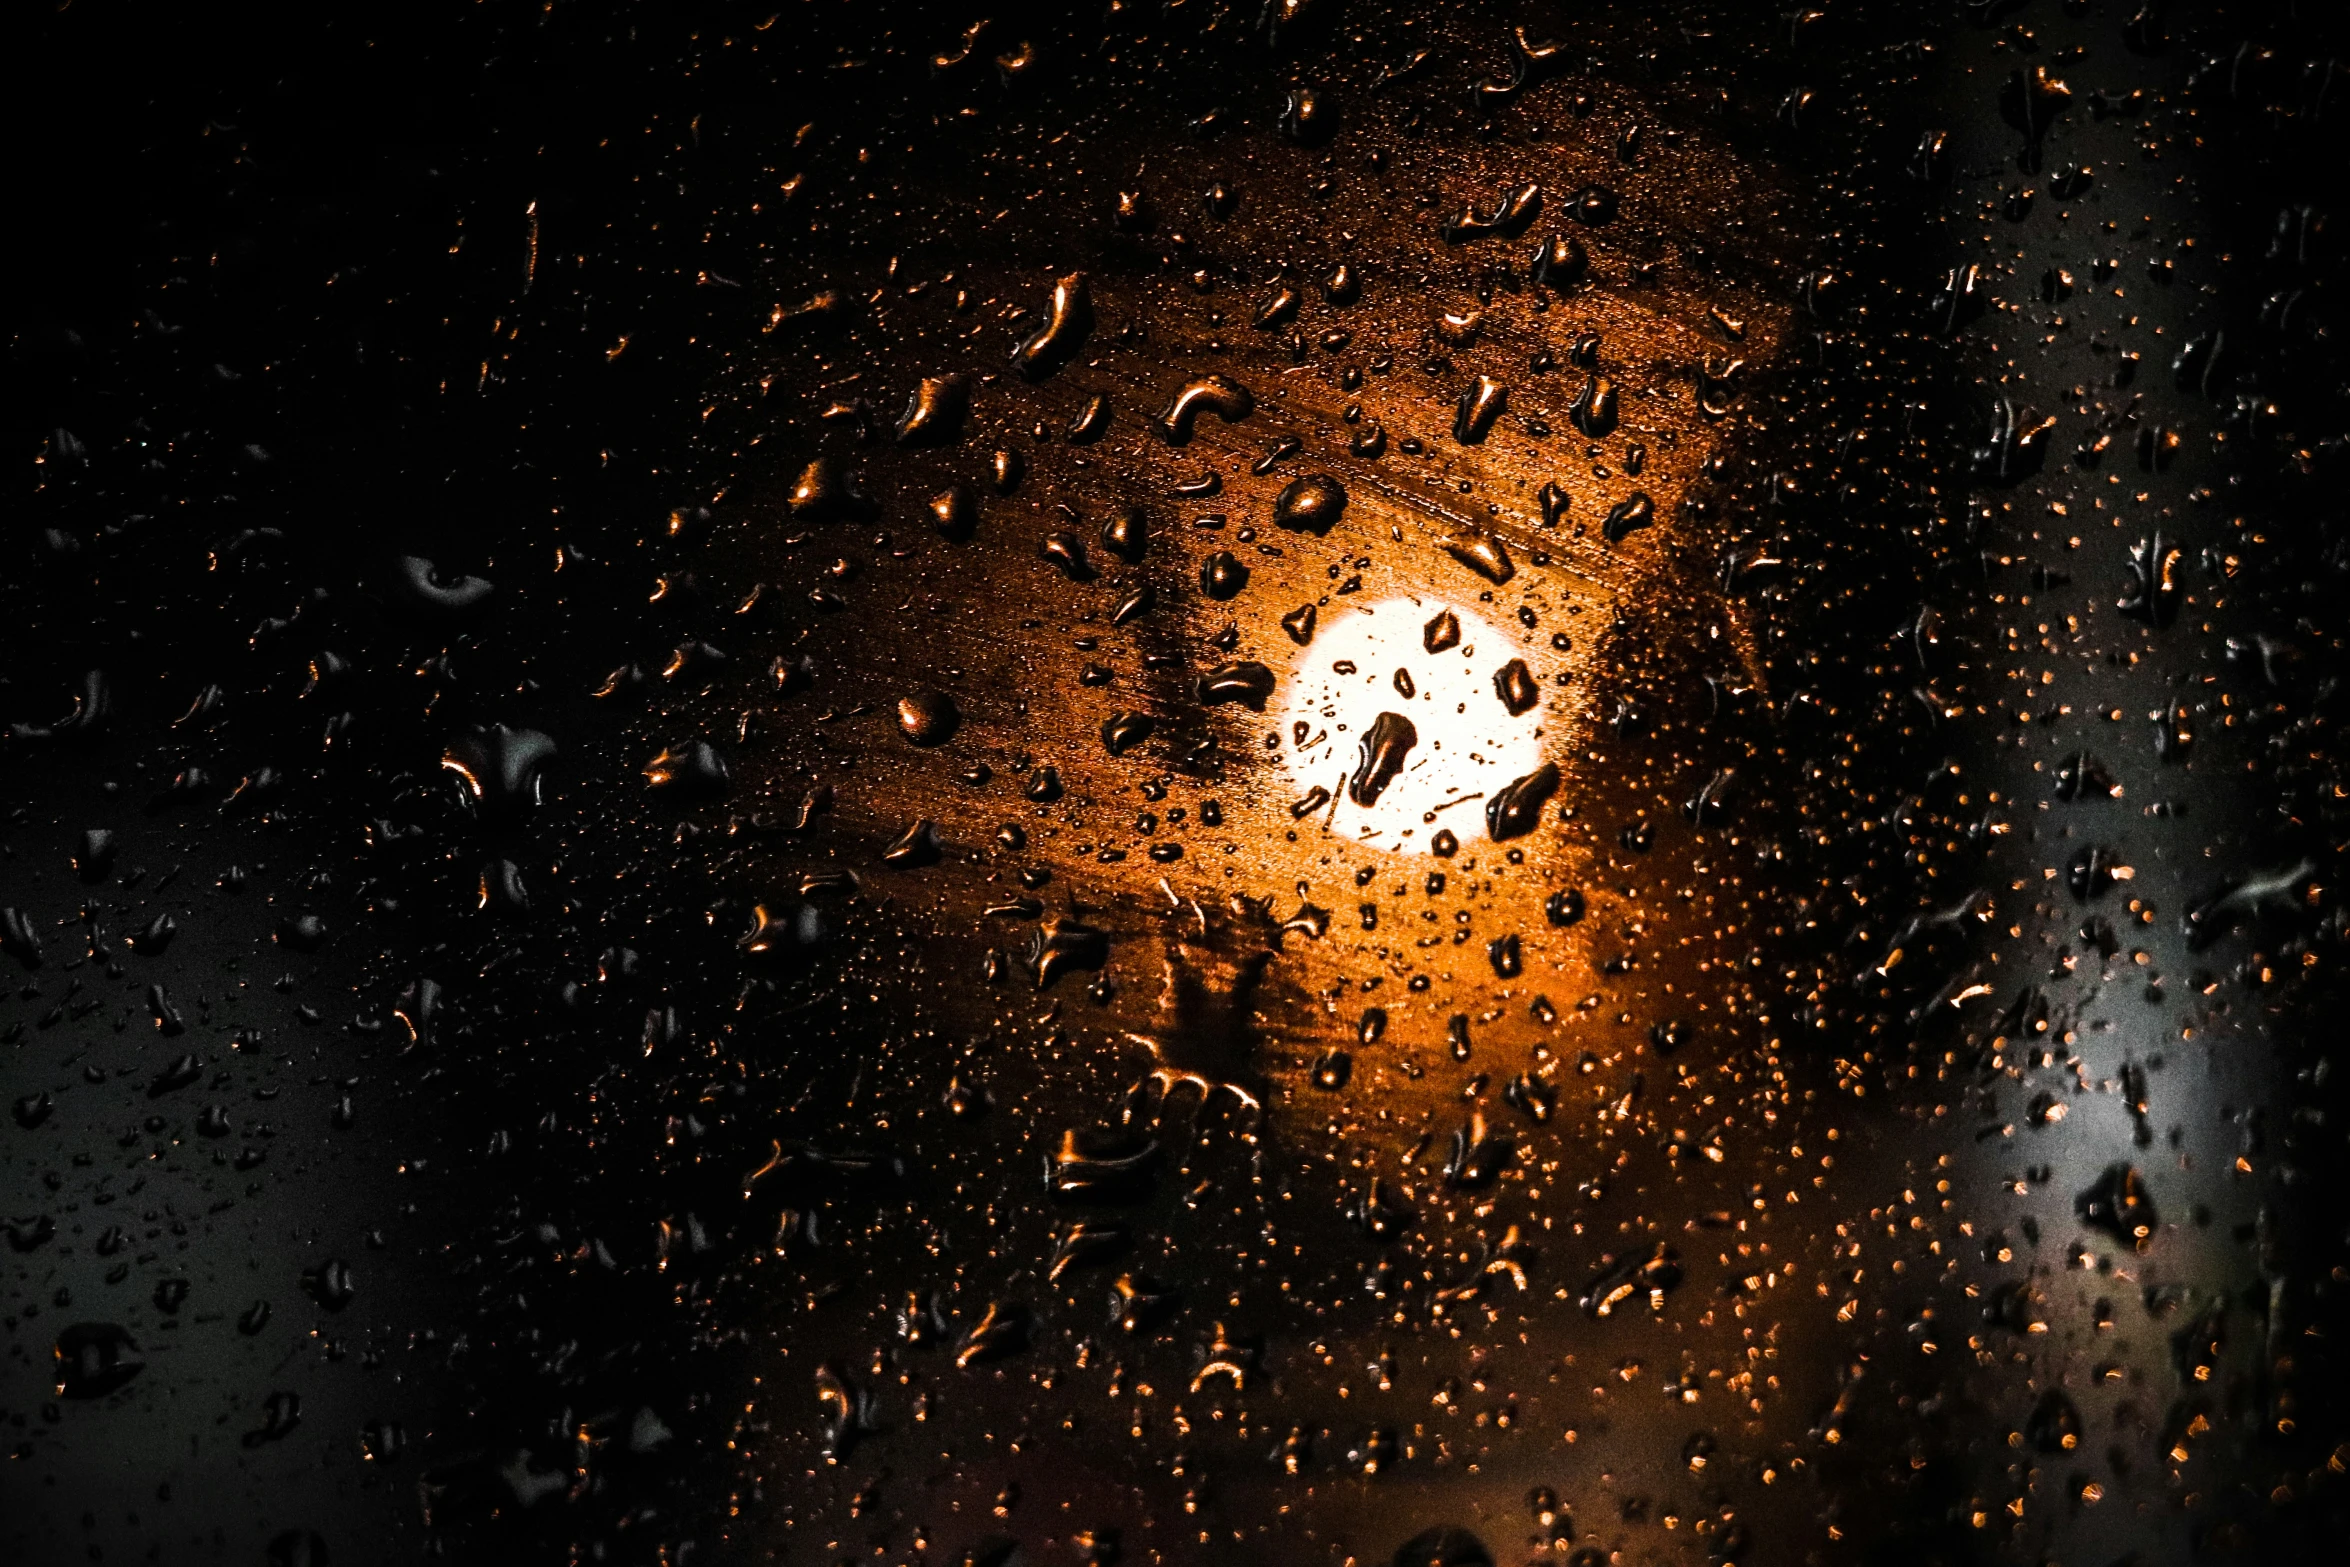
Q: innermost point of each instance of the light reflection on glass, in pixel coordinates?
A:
(1467, 745)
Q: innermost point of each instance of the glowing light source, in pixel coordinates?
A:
(1464, 743)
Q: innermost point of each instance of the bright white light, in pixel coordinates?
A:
(1468, 747)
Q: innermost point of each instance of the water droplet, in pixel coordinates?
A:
(1066, 943)
(1222, 575)
(928, 717)
(419, 584)
(1101, 1167)
(934, 414)
(331, 1284)
(2119, 1204)
(498, 769)
(1531, 1097)
(1516, 809)
(1634, 512)
(1594, 408)
(1244, 681)
(1479, 1153)
(1307, 118)
(2054, 1426)
(693, 770)
(917, 846)
(1063, 333)
(1002, 1329)
(1086, 1243)
(1560, 262)
(1930, 162)
(1482, 553)
(1123, 731)
(1067, 552)
(1139, 1302)
(1480, 404)
(2152, 594)
(1380, 755)
(1593, 204)
(825, 491)
(1135, 604)
(785, 930)
(1279, 310)
(1005, 469)
(1645, 1277)
(1220, 395)
(956, 511)
(93, 1359)
(2030, 100)
(1312, 504)
(1514, 684)
(1126, 534)
(1512, 213)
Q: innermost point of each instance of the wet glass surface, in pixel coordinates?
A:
(1324, 782)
